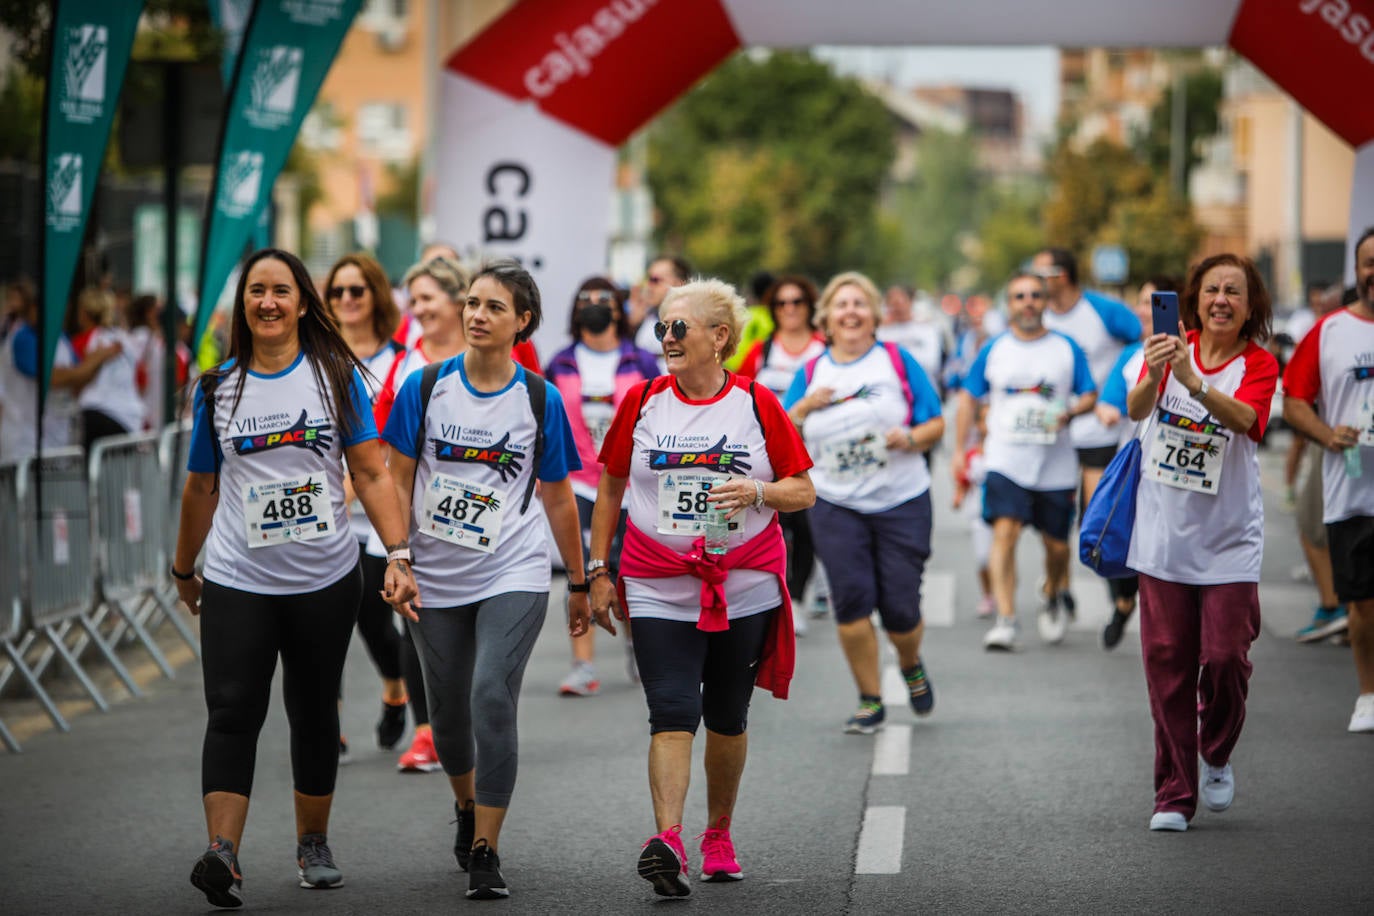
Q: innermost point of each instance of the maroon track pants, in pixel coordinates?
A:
(1195, 640)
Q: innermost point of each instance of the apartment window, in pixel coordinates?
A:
(320, 129)
(382, 10)
(383, 131)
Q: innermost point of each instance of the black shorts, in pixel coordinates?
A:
(1351, 542)
(1098, 457)
(1049, 511)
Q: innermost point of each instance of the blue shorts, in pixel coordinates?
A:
(1049, 511)
(874, 560)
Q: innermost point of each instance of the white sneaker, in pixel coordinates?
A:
(1169, 820)
(580, 682)
(1052, 622)
(1002, 636)
(1218, 786)
(1363, 718)
(799, 625)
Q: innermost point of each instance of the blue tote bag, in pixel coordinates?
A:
(1104, 535)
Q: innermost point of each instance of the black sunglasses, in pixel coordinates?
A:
(598, 297)
(678, 327)
(1032, 295)
(336, 292)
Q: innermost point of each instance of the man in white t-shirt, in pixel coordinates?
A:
(918, 328)
(1333, 369)
(1035, 381)
(665, 272)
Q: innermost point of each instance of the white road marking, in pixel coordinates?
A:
(894, 687)
(937, 599)
(892, 751)
(880, 841)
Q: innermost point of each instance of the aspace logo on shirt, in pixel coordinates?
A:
(314, 436)
(1044, 389)
(501, 456)
(688, 452)
(1206, 427)
(1362, 373)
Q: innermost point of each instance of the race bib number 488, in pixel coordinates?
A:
(281, 511)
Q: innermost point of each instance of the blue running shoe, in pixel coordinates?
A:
(918, 685)
(1326, 622)
(868, 719)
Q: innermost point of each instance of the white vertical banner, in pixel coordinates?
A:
(1361, 205)
(514, 183)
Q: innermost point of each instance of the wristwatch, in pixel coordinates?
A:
(403, 554)
(576, 587)
(594, 565)
(1201, 392)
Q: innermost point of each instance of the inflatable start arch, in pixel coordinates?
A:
(535, 106)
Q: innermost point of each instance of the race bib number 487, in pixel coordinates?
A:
(463, 513)
(280, 511)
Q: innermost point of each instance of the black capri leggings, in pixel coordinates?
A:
(376, 620)
(690, 676)
(241, 636)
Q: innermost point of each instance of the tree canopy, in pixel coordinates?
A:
(773, 161)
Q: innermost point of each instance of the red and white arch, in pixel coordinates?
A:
(534, 108)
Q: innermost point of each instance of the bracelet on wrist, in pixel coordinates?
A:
(598, 573)
(758, 495)
(184, 577)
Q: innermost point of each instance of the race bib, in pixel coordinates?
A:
(279, 511)
(1029, 419)
(1186, 460)
(463, 513)
(1365, 422)
(682, 505)
(848, 460)
(598, 427)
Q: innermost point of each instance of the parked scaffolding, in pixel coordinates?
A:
(84, 563)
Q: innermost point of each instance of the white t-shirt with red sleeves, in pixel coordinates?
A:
(1333, 367)
(1028, 384)
(1199, 509)
(730, 434)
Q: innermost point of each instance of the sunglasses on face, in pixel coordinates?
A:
(1036, 294)
(336, 292)
(1049, 273)
(678, 327)
(784, 303)
(600, 297)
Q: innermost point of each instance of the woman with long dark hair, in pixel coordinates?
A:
(272, 428)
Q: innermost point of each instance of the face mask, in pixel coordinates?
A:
(595, 318)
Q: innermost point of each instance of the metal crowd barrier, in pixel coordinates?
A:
(56, 574)
(11, 588)
(174, 447)
(128, 506)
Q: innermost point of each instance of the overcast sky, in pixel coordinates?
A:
(1033, 73)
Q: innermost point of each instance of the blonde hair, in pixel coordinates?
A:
(445, 272)
(716, 302)
(848, 278)
(97, 303)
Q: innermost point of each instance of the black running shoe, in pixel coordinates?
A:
(1111, 633)
(391, 726)
(315, 863)
(217, 875)
(467, 828)
(484, 874)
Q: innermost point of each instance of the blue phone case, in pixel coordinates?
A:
(1164, 309)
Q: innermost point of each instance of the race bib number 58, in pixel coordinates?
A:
(280, 511)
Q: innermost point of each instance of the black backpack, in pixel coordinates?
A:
(534, 386)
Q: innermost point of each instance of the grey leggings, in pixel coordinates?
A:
(474, 659)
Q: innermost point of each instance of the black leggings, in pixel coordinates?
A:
(690, 676)
(1124, 588)
(96, 425)
(376, 620)
(241, 636)
(801, 554)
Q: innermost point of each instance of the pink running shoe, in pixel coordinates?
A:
(718, 862)
(663, 863)
(987, 606)
(422, 757)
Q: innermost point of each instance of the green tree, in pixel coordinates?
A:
(402, 196)
(773, 162)
(1085, 186)
(1202, 103)
(1009, 232)
(1158, 231)
(21, 111)
(938, 210)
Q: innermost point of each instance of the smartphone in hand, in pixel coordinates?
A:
(1164, 309)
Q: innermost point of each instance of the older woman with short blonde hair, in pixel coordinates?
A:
(711, 622)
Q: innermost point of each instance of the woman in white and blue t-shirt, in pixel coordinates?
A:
(465, 458)
(867, 411)
(273, 426)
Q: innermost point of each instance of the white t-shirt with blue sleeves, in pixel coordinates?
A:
(847, 440)
(282, 429)
(484, 440)
(1101, 327)
(1026, 383)
(1120, 381)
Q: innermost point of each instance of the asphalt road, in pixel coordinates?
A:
(1028, 790)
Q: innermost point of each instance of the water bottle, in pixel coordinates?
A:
(717, 531)
(1353, 465)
